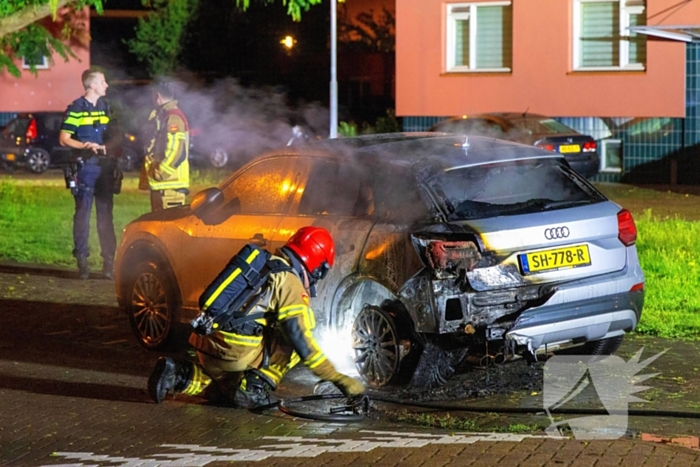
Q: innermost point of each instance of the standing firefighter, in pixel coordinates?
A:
(252, 347)
(166, 166)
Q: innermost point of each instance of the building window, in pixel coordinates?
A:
(40, 63)
(602, 36)
(611, 155)
(480, 36)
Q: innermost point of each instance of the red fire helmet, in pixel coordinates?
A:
(314, 246)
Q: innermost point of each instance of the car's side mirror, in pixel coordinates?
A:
(206, 202)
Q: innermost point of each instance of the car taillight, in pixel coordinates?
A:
(627, 231)
(31, 130)
(589, 146)
(637, 287)
(548, 147)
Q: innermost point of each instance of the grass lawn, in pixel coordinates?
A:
(36, 218)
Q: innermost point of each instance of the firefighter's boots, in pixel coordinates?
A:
(169, 375)
(254, 391)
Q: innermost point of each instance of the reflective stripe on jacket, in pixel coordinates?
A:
(285, 305)
(166, 165)
(86, 123)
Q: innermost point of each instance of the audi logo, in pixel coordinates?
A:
(556, 232)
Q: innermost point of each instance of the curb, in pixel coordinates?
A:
(36, 269)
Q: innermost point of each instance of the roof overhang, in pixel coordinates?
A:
(687, 33)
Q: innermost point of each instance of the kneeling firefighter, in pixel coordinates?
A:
(241, 360)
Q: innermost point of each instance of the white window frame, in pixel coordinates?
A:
(44, 65)
(472, 16)
(603, 145)
(627, 8)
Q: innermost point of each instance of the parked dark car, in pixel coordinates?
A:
(31, 141)
(580, 150)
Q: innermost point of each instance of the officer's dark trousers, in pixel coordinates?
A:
(95, 182)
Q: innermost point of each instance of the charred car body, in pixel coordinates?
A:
(461, 246)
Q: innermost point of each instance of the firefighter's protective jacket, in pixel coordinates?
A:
(285, 305)
(166, 165)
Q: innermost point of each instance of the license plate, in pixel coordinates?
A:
(558, 258)
(569, 148)
(9, 157)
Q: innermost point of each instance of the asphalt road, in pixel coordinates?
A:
(72, 392)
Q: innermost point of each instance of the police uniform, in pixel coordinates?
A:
(88, 123)
(288, 323)
(166, 168)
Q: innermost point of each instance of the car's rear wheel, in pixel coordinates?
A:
(381, 343)
(38, 160)
(151, 304)
(218, 158)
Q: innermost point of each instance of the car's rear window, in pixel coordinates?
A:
(511, 188)
(542, 126)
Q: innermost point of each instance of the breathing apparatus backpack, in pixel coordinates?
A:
(226, 303)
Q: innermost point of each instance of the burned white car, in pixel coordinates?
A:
(461, 247)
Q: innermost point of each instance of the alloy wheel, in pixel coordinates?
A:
(376, 345)
(38, 161)
(149, 308)
(218, 158)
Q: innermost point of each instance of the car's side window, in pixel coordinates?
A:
(337, 190)
(53, 123)
(265, 188)
(397, 196)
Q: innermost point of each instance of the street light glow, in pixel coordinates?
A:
(288, 42)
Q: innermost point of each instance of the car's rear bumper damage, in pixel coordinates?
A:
(578, 322)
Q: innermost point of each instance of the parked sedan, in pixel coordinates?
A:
(544, 132)
(447, 247)
(30, 141)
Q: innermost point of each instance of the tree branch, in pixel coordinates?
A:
(29, 15)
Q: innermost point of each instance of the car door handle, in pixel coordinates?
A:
(258, 240)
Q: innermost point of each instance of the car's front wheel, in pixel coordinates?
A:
(151, 304)
(38, 160)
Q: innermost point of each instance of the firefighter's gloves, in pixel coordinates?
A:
(349, 386)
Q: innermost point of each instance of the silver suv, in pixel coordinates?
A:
(448, 247)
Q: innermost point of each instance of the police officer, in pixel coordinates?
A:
(83, 129)
(166, 167)
(232, 367)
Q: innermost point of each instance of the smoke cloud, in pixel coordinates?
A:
(225, 115)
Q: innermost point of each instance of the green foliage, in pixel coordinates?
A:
(36, 218)
(347, 129)
(294, 7)
(669, 252)
(160, 36)
(388, 124)
(34, 40)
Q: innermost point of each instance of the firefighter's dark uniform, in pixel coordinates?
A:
(88, 123)
(288, 322)
(166, 167)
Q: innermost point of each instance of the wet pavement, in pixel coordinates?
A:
(72, 392)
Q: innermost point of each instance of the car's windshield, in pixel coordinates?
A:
(541, 126)
(511, 188)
